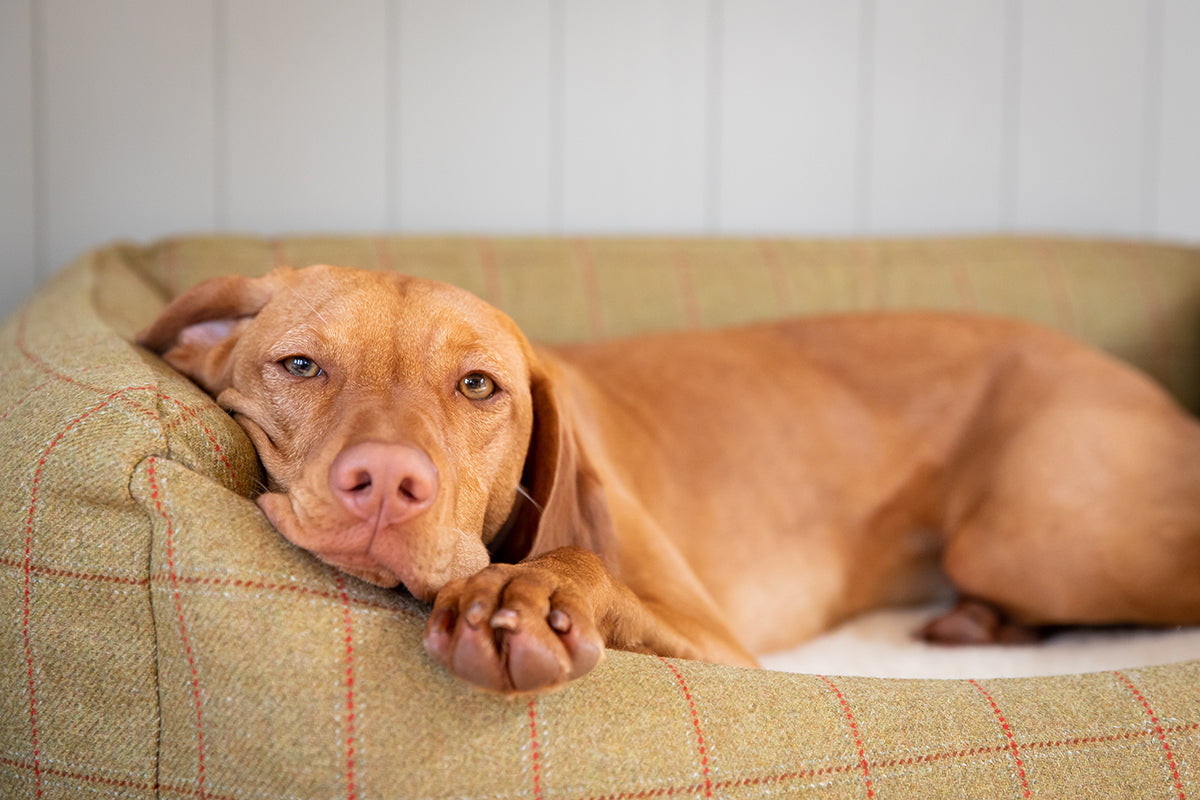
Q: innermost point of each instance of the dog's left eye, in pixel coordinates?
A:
(300, 366)
(477, 386)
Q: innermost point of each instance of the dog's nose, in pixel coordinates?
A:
(389, 482)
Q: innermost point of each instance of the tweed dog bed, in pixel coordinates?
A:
(159, 639)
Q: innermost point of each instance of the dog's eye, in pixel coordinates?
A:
(477, 386)
(300, 366)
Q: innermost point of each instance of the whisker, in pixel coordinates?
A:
(524, 493)
(307, 302)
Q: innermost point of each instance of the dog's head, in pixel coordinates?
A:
(405, 424)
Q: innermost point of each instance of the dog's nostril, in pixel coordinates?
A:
(411, 490)
(362, 482)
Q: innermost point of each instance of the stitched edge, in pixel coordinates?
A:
(27, 567)
(349, 629)
(156, 496)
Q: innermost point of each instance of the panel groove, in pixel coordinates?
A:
(556, 120)
(37, 32)
(1011, 160)
(713, 120)
(221, 166)
(1152, 114)
(391, 117)
(863, 131)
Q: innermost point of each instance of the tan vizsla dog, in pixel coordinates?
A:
(703, 494)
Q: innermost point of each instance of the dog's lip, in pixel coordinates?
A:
(357, 555)
(363, 567)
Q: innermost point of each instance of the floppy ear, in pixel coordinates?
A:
(572, 508)
(196, 332)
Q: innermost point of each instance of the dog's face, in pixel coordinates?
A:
(392, 414)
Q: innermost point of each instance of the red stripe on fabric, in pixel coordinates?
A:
(279, 253)
(1158, 729)
(52, 572)
(23, 398)
(1012, 742)
(59, 375)
(383, 255)
(349, 623)
(171, 270)
(867, 261)
(687, 693)
(117, 783)
(952, 253)
(687, 288)
(156, 496)
(234, 583)
(783, 293)
(1063, 310)
(340, 595)
(671, 791)
(1156, 316)
(591, 287)
(41, 363)
(27, 568)
(491, 273)
(843, 769)
(535, 756)
(858, 742)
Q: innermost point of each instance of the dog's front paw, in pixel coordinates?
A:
(514, 628)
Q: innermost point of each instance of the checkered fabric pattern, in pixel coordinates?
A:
(159, 639)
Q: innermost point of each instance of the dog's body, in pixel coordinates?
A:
(701, 494)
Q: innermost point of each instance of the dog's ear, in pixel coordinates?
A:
(196, 332)
(569, 503)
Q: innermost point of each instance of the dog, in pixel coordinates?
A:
(702, 494)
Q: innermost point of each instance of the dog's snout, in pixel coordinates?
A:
(389, 482)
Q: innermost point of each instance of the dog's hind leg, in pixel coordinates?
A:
(1087, 516)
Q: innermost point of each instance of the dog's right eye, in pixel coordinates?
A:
(300, 366)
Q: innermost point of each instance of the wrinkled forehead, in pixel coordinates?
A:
(389, 315)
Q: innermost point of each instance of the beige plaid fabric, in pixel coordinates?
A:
(159, 639)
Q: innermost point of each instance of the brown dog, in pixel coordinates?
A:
(703, 494)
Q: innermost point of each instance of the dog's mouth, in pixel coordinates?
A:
(366, 569)
(423, 558)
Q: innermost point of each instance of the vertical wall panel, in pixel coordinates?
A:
(1177, 201)
(306, 116)
(635, 100)
(789, 120)
(128, 121)
(17, 266)
(474, 115)
(1081, 134)
(936, 141)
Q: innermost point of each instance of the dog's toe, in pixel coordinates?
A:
(512, 629)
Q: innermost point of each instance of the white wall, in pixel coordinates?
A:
(139, 118)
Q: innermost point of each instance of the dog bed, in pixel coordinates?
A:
(159, 639)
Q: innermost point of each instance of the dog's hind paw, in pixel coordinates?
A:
(513, 628)
(973, 622)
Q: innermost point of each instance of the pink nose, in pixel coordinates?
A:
(389, 482)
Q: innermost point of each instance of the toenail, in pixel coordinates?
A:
(559, 621)
(474, 615)
(506, 619)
